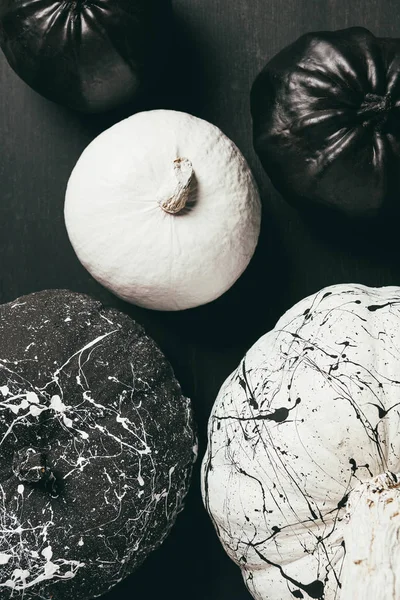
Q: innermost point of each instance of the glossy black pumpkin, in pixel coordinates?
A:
(326, 121)
(96, 447)
(90, 55)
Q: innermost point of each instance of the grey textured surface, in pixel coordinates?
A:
(225, 44)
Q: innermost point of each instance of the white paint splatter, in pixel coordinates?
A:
(4, 558)
(47, 553)
(57, 404)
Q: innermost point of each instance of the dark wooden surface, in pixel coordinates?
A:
(223, 45)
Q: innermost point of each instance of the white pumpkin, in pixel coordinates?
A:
(162, 209)
(301, 475)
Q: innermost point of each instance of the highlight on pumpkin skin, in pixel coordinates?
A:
(143, 191)
(300, 474)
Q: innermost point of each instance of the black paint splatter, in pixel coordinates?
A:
(323, 350)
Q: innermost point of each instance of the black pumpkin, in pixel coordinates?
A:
(326, 121)
(90, 55)
(96, 447)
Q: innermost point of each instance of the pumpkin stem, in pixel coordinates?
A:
(371, 540)
(183, 172)
(375, 110)
(29, 464)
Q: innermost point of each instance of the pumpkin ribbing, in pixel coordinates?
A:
(309, 416)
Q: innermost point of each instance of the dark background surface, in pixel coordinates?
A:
(223, 45)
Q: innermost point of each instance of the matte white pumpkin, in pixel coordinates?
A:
(301, 475)
(163, 210)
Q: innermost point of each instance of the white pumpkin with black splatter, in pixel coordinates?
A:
(301, 474)
(96, 447)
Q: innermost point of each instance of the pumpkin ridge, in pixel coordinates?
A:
(283, 489)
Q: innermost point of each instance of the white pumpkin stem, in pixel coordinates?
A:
(183, 172)
(372, 539)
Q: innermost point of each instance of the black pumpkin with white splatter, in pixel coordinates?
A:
(96, 447)
(301, 474)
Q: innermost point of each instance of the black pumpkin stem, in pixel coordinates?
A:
(375, 109)
(29, 465)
